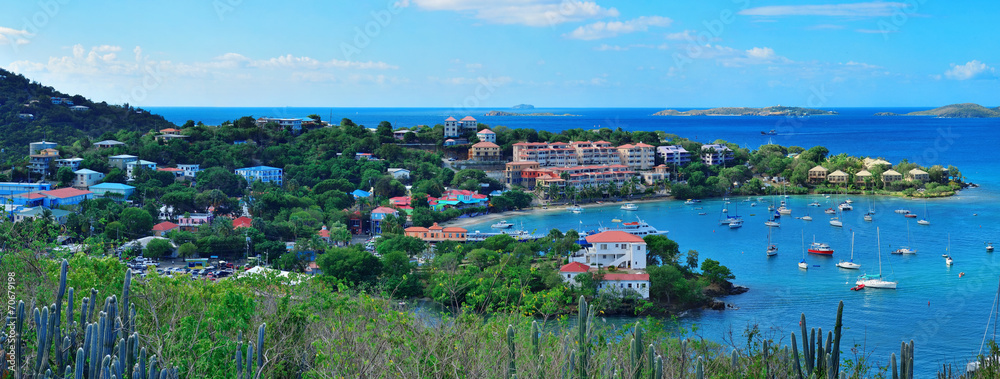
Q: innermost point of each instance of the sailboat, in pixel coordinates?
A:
(835, 221)
(906, 249)
(923, 221)
(947, 256)
(869, 216)
(802, 264)
(850, 265)
(771, 222)
(772, 249)
(733, 220)
(876, 281)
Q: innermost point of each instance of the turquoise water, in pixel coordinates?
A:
(948, 330)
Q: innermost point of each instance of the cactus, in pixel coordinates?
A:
(583, 336)
(511, 367)
(534, 339)
(795, 356)
(637, 352)
(905, 367)
(700, 371)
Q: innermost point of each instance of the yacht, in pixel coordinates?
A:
(820, 248)
(845, 207)
(736, 224)
(502, 224)
(814, 204)
(630, 207)
(576, 209)
(637, 228)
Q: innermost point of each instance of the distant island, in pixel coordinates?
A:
(503, 113)
(777, 110)
(964, 110)
(523, 106)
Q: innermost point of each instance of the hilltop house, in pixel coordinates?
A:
(612, 281)
(484, 151)
(108, 143)
(863, 177)
(131, 168)
(86, 178)
(613, 248)
(379, 214)
(190, 222)
(675, 155)
(115, 190)
(837, 177)
(891, 176)
(817, 174)
(161, 229)
(72, 163)
(918, 175)
(37, 147)
(190, 170)
(264, 174)
(120, 161)
(486, 135)
(716, 154)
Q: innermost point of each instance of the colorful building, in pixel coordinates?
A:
(436, 233)
(379, 214)
(613, 248)
(264, 174)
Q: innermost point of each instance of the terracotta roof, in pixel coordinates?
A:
(486, 144)
(169, 169)
(325, 233)
(614, 236)
(242, 222)
(626, 146)
(574, 267)
(611, 277)
(169, 130)
(486, 131)
(164, 226)
(384, 210)
(415, 229)
(435, 227)
(63, 193)
(455, 229)
(640, 144)
(468, 118)
(450, 119)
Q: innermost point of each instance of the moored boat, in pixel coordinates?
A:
(820, 248)
(630, 207)
(502, 224)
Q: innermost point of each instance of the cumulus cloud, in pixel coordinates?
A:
(524, 12)
(731, 57)
(684, 35)
(869, 9)
(606, 47)
(603, 29)
(9, 36)
(971, 70)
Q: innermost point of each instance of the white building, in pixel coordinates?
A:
(86, 178)
(613, 248)
(675, 155)
(73, 163)
(450, 127)
(189, 169)
(468, 122)
(716, 154)
(487, 135)
(612, 281)
(294, 123)
(130, 167)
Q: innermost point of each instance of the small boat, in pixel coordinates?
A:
(923, 222)
(576, 209)
(820, 248)
(807, 218)
(773, 224)
(902, 211)
(689, 202)
(830, 211)
(836, 222)
(802, 264)
(849, 201)
(904, 250)
(858, 287)
(876, 281)
(910, 215)
(845, 207)
(784, 210)
(827, 196)
(702, 213)
(753, 204)
(948, 261)
(771, 132)
(630, 207)
(989, 247)
(849, 264)
(736, 224)
(814, 204)
(616, 220)
(868, 217)
(503, 224)
(772, 249)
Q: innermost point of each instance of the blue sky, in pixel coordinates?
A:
(497, 53)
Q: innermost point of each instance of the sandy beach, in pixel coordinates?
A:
(492, 217)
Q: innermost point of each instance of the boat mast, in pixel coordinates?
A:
(878, 239)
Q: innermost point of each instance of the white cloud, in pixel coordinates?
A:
(869, 9)
(603, 29)
(9, 36)
(971, 70)
(473, 66)
(524, 12)
(761, 53)
(685, 35)
(731, 57)
(606, 47)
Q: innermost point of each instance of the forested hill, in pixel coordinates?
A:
(56, 122)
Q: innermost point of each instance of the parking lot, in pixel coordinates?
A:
(174, 267)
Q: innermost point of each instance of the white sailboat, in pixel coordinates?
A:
(835, 221)
(772, 223)
(876, 281)
(870, 215)
(802, 264)
(850, 265)
(772, 249)
(947, 253)
(923, 221)
(906, 249)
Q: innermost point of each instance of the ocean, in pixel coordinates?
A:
(945, 314)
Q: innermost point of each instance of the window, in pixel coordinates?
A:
(630, 285)
(643, 285)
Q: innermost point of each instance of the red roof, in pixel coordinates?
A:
(613, 236)
(450, 119)
(611, 277)
(574, 267)
(169, 169)
(626, 146)
(241, 222)
(455, 229)
(164, 226)
(384, 210)
(468, 118)
(325, 233)
(169, 130)
(640, 144)
(435, 227)
(415, 229)
(486, 131)
(63, 193)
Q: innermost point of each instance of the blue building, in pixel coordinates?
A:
(8, 188)
(103, 189)
(262, 174)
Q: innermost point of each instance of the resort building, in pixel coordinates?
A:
(554, 154)
(132, 168)
(863, 177)
(521, 173)
(613, 248)
(72, 163)
(379, 214)
(661, 172)
(120, 161)
(613, 282)
(108, 143)
(37, 147)
(639, 156)
(817, 174)
(487, 135)
(716, 154)
(675, 155)
(39, 163)
(451, 127)
(872, 163)
(484, 151)
(264, 174)
(468, 122)
(437, 234)
(595, 153)
(918, 175)
(891, 176)
(586, 176)
(86, 178)
(116, 191)
(837, 177)
(161, 229)
(294, 123)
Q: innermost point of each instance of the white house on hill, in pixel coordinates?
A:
(613, 248)
(612, 282)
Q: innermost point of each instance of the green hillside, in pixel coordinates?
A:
(964, 110)
(56, 122)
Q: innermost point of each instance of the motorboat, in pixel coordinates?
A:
(845, 207)
(910, 215)
(807, 218)
(736, 224)
(948, 261)
(868, 217)
(814, 204)
(902, 250)
(773, 224)
(836, 222)
(689, 202)
(502, 224)
(576, 209)
(630, 207)
(923, 222)
(830, 211)
(989, 247)
(820, 248)
(902, 211)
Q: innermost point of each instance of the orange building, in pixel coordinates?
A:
(436, 233)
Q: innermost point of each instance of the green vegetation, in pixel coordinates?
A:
(744, 111)
(964, 110)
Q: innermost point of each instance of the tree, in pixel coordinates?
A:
(188, 249)
(715, 272)
(158, 248)
(221, 179)
(65, 176)
(398, 277)
(137, 222)
(387, 186)
(692, 259)
(661, 250)
(411, 246)
(350, 265)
